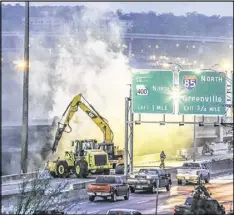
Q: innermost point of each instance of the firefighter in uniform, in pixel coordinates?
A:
(162, 158)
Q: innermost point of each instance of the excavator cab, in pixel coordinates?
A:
(108, 148)
(80, 146)
(114, 154)
(119, 152)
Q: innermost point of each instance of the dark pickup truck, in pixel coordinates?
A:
(146, 179)
(184, 209)
(108, 186)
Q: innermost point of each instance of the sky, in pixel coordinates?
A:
(178, 8)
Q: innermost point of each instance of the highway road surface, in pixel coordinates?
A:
(221, 188)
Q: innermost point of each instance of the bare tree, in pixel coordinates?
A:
(41, 195)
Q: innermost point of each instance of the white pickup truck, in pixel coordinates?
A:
(192, 172)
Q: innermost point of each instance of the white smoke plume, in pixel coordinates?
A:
(95, 68)
(90, 66)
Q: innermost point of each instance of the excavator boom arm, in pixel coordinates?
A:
(61, 129)
(99, 121)
(91, 112)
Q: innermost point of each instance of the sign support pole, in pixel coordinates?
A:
(194, 139)
(126, 136)
(131, 126)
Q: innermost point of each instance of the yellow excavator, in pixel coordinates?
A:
(115, 155)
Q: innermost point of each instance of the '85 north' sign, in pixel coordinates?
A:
(204, 93)
(189, 81)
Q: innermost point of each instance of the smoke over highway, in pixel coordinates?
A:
(94, 68)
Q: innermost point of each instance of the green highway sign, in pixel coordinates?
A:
(202, 93)
(150, 90)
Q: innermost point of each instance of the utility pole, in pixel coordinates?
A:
(24, 143)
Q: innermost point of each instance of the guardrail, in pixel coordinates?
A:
(73, 186)
(13, 177)
(220, 166)
(76, 191)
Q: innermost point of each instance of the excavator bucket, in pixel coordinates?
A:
(58, 136)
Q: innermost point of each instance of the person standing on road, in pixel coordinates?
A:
(162, 158)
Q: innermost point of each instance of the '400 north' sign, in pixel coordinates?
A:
(150, 90)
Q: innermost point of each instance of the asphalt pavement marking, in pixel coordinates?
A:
(81, 203)
(143, 201)
(93, 212)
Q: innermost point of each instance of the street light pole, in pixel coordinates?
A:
(24, 143)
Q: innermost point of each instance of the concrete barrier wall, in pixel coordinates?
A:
(220, 166)
(216, 147)
(152, 158)
(220, 146)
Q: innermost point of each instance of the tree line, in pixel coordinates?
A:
(152, 22)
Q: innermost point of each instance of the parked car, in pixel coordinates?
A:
(108, 186)
(146, 179)
(123, 212)
(193, 172)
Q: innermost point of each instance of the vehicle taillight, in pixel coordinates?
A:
(108, 188)
(111, 188)
(174, 210)
(89, 187)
